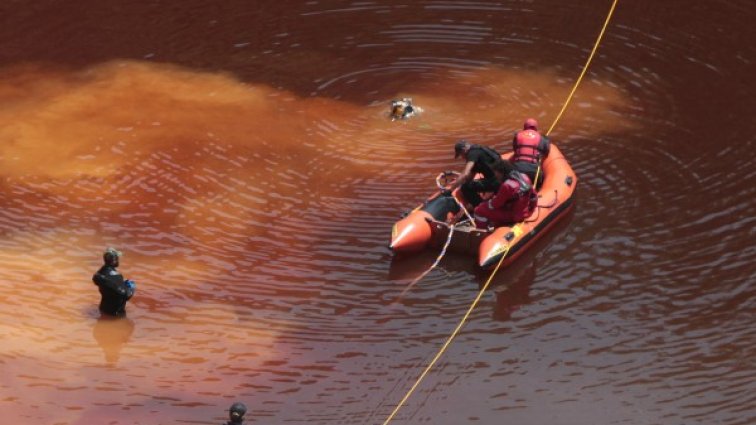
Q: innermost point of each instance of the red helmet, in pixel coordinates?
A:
(530, 123)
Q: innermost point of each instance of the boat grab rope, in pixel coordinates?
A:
(506, 251)
(464, 210)
(539, 207)
(446, 245)
(435, 263)
(442, 187)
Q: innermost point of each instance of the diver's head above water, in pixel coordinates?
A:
(236, 413)
(111, 256)
(403, 109)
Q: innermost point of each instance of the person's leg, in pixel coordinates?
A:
(501, 217)
(482, 216)
(531, 169)
(486, 217)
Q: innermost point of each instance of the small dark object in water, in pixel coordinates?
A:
(403, 109)
(236, 414)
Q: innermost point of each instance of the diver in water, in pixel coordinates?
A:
(115, 291)
(236, 414)
(403, 109)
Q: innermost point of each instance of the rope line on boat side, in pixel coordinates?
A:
(443, 250)
(506, 251)
(464, 210)
(435, 263)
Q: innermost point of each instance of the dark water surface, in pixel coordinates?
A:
(238, 152)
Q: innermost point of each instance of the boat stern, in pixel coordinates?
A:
(412, 233)
(498, 244)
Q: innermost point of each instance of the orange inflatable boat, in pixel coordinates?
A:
(429, 224)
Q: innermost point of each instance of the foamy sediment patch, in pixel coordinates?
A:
(65, 124)
(71, 123)
(176, 161)
(203, 159)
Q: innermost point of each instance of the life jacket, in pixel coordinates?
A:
(529, 146)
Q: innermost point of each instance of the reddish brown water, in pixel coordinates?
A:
(239, 154)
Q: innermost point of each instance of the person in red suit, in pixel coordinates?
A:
(514, 201)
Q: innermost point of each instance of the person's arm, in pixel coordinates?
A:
(464, 177)
(546, 146)
(99, 278)
(505, 193)
(114, 282)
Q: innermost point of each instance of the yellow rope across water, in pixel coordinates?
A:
(504, 255)
(585, 67)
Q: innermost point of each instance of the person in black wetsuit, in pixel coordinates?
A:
(478, 159)
(236, 414)
(115, 291)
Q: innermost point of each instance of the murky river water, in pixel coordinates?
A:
(238, 152)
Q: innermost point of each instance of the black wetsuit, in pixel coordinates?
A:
(484, 158)
(113, 289)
